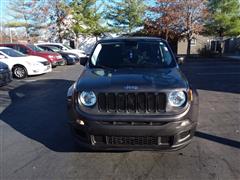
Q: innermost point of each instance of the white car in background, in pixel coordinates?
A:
(65, 48)
(22, 65)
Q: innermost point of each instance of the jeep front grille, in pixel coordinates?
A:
(132, 102)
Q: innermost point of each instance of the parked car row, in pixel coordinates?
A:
(20, 60)
(70, 58)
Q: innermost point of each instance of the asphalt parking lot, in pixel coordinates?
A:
(36, 143)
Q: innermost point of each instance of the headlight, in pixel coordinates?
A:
(176, 98)
(88, 98)
(71, 56)
(59, 57)
(51, 57)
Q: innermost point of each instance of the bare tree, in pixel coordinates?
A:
(175, 19)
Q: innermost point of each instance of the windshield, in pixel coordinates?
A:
(54, 48)
(132, 54)
(66, 46)
(34, 48)
(12, 53)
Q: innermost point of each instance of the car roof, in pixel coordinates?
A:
(4, 48)
(45, 45)
(48, 43)
(127, 38)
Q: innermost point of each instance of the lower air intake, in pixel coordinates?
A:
(132, 140)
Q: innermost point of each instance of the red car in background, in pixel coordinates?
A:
(54, 58)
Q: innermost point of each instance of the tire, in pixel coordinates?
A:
(65, 62)
(19, 72)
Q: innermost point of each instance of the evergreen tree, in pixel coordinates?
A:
(28, 14)
(86, 17)
(125, 15)
(225, 18)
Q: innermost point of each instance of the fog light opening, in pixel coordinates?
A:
(80, 122)
(184, 135)
(163, 140)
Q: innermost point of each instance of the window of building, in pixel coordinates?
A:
(193, 42)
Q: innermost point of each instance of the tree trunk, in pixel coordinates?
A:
(60, 37)
(166, 37)
(221, 50)
(188, 46)
(28, 35)
(77, 41)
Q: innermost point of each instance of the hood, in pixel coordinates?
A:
(36, 58)
(131, 79)
(46, 53)
(32, 59)
(80, 53)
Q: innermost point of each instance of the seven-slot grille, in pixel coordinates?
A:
(132, 102)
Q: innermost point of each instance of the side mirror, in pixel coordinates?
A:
(2, 57)
(84, 60)
(180, 60)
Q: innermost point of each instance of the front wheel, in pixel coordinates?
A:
(19, 72)
(54, 65)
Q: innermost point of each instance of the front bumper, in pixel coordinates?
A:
(39, 70)
(60, 62)
(121, 133)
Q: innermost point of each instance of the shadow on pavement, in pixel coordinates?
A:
(38, 111)
(221, 140)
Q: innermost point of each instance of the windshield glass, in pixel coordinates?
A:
(132, 54)
(66, 46)
(34, 48)
(12, 53)
(54, 48)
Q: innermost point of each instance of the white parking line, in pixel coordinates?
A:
(227, 73)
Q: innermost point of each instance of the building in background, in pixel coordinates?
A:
(199, 44)
(209, 46)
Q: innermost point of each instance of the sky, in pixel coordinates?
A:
(3, 9)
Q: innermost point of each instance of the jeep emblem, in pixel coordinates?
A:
(131, 87)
